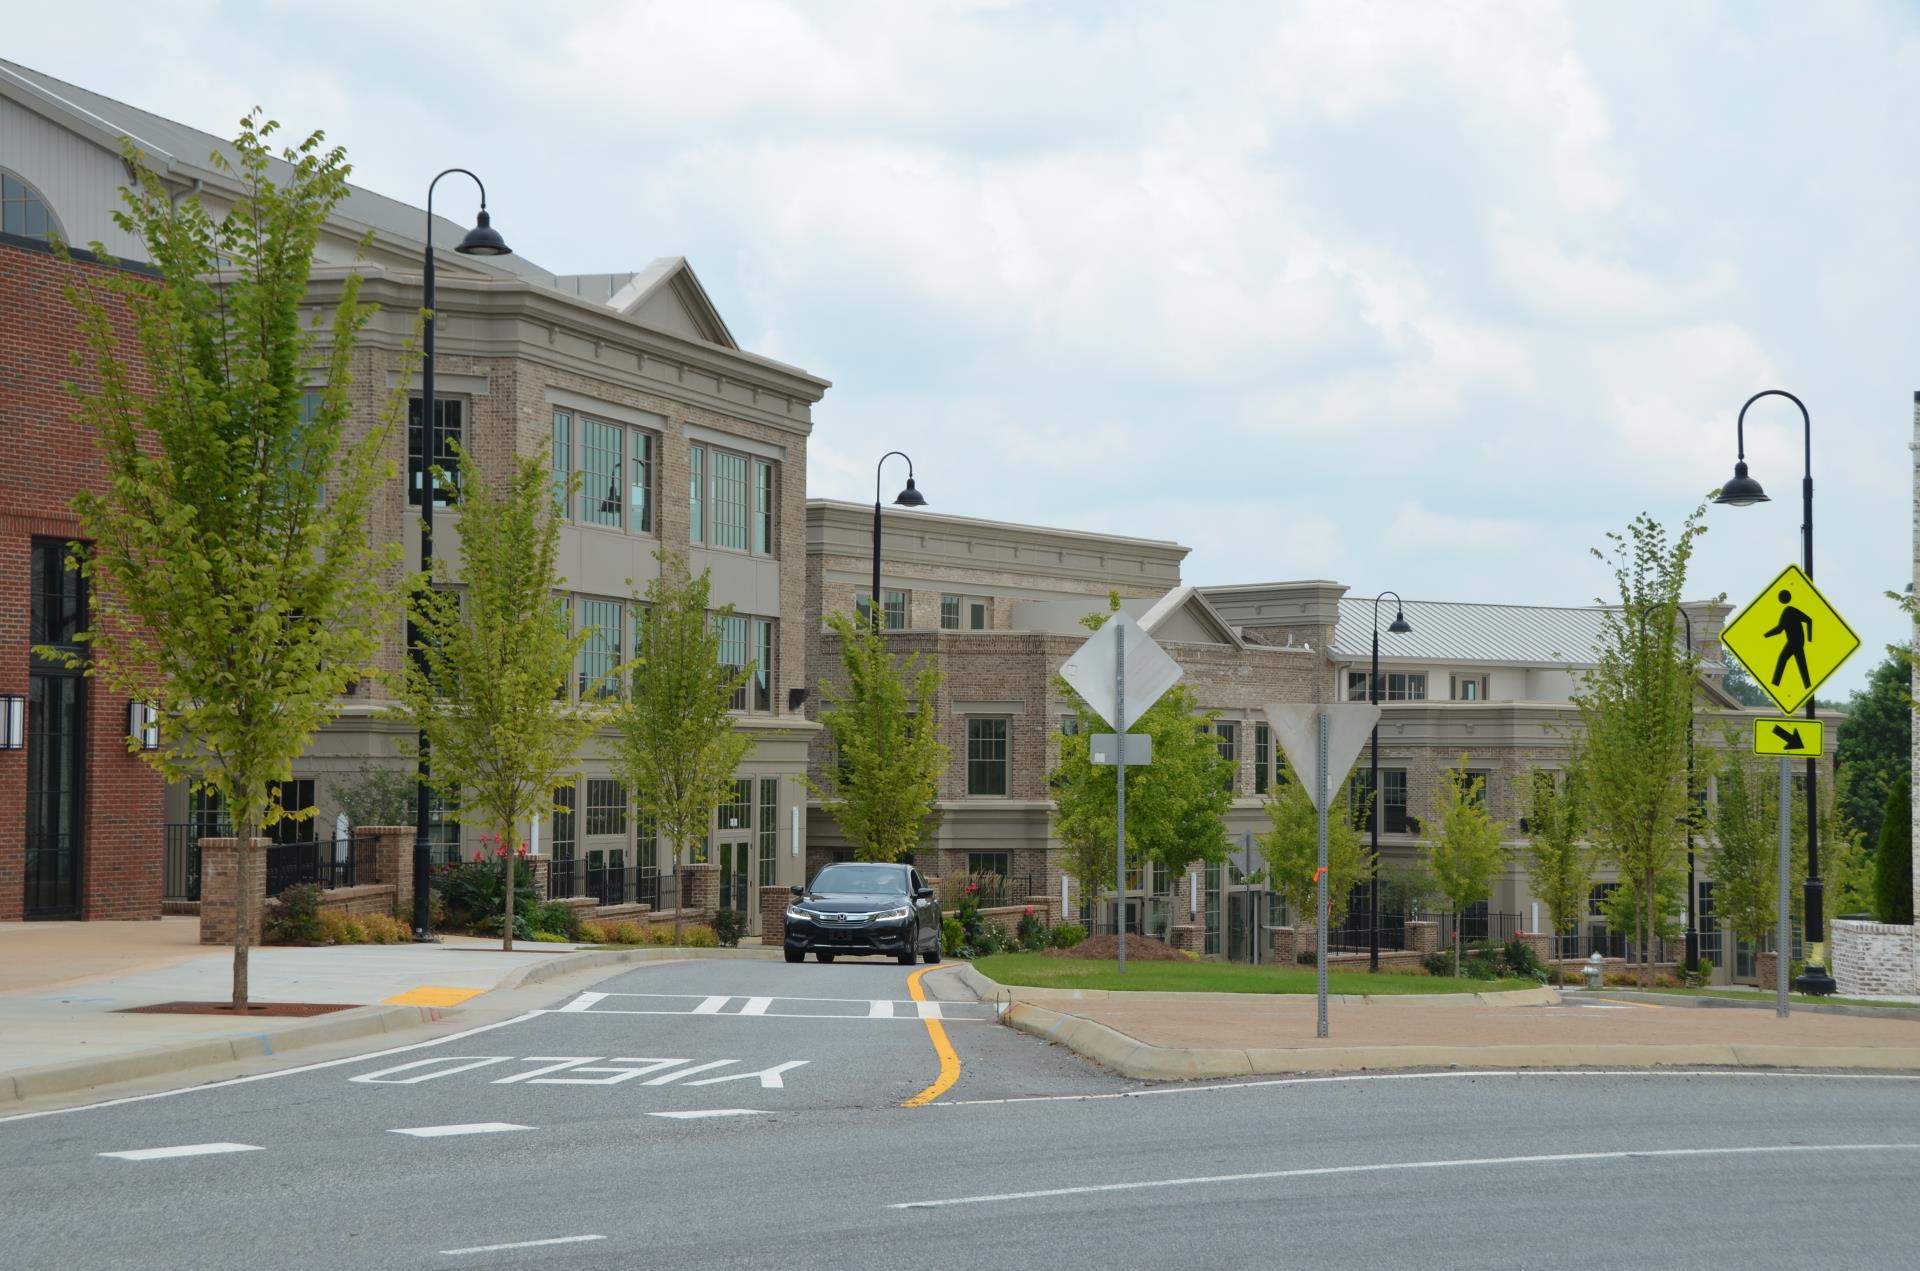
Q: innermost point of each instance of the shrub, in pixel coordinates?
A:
(1522, 962)
(626, 933)
(697, 936)
(659, 934)
(340, 928)
(476, 897)
(1033, 931)
(594, 933)
(293, 917)
(385, 929)
(953, 935)
(1066, 935)
(548, 937)
(728, 926)
(554, 919)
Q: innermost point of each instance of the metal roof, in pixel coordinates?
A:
(1454, 631)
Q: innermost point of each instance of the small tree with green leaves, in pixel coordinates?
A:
(1292, 847)
(883, 729)
(375, 794)
(1875, 750)
(235, 586)
(1559, 860)
(1465, 855)
(488, 688)
(1635, 706)
(1746, 852)
(675, 741)
(1893, 858)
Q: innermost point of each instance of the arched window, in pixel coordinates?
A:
(23, 212)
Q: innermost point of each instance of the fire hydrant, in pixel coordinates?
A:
(1594, 969)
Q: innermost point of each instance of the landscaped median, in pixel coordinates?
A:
(1172, 1022)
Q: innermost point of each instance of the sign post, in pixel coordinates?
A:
(1120, 800)
(1783, 937)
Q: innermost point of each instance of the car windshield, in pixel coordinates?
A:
(862, 879)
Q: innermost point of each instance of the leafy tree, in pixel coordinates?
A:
(884, 728)
(1292, 848)
(1176, 806)
(235, 584)
(1635, 706)
(1742, 689)
(1746, 857)
(1465, 855)
(488, 690)
(1559, 861)
(1627, 911)
(675, 742)
(375, 794)
(1893, 858)
(1875, 749)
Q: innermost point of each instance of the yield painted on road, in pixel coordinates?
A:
(737, 1007)
(185, 1149)
(578, 1070)
(449, 1131)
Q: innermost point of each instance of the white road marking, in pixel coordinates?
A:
(880, 1009)
(448, 1131)
(1466, 1074)
(385, 1076)
(1463, 1163)
(555, 1063)
(756, 1006)
(694, 1115)
(582, 1002)
(772, 1014)
(526, 1244)
(618, 1070)
(710, 1006)
(672, 1077)
(189, 1149)
(769, 1077)
(929, 1010)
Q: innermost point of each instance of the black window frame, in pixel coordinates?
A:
(981, 765)
(446, 436)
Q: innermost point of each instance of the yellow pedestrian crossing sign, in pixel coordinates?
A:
(1792, 738)
(1790, 639)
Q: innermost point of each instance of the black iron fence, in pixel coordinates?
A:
(322, 861)
(610, 880)
(180, 874)
(991, 890)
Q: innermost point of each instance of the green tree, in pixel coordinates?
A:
(1176, 805)
(1635, 706)
(1741, 688)
(235, 584)
(1292, 847)
(1893, 858)
(1875, 750)
(675, 743)
(1746, 855)
(375, 794)
(882, 722)
(1559, 860)
(488, 691)
(1465, 855)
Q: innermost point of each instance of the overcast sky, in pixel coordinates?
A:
(1423, 296)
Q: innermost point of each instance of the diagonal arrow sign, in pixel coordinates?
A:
(1792, 739)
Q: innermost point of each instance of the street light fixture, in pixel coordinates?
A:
(482, 240)
(1399, 626)
(907, 498)
(1743, 491)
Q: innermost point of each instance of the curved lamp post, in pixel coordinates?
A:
(907, 498)
(1743, 491)
(1399, 626)
(481, 240)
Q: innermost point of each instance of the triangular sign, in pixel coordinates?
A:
(1297, 728)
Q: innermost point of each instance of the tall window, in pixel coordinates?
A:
(895, 611)
(950, 613)
(562, 459)
(603, 620)
(600, 468)
(23, 211)
(647, 838)
(1262, 757)
(1477, 787)
(58, 610)
(733, 653)
(986, 756)
(640, 481)
(566, 826)
(447, 416)
(763, 664)
(737, 812)
(1393, 799)
(443, 827)
(763, 507)
(696, 480)
(295, 796)
(729, 500)
(1228, 738)
(769, 826)
(977, 615)
(606, 807)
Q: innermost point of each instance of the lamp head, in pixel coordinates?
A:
(483, 239)
(910, 497)
(1400, 625)
(1743, 491)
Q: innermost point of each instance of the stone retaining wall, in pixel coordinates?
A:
(1873, 957)
(359, 902)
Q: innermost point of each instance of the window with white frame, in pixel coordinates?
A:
(602, 450)
(1395, 686)
(763, 646)
(616, 463)
(604, 622)
(733, 653)
(424, 453)
(1227, 738)
(950, 613)
(606, 806)
(729, 515)
(23, 211)
(895, 611)
(763, 503)
(986, 755)
(1469, 688)
(696, 494)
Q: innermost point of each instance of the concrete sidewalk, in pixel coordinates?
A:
(1176, 1036)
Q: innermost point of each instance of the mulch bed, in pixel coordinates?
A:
(1107, 949)
(262, 1010)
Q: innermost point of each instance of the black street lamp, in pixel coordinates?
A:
(907, 498)
(1399, 626)
(1744, 491)
(481, 240)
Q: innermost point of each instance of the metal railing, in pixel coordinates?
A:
(311, 861)
(180, 873)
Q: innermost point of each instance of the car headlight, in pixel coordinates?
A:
(799, 915)
(893, 915)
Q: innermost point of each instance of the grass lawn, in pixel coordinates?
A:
(1039, 971)
(1797, 999)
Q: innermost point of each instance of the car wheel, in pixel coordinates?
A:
(824, 957)
(796, 955)
(911, 955)
(932, 955)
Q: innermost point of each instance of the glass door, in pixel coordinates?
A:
(736, 876)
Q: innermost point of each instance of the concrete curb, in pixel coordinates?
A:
(1759, 1002)
(568, 963)
(991, 988)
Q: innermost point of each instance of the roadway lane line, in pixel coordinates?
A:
(525, 1244)
(448, 1131)
(949, 1061)
(696, 1114)
(1328, 1171)
(582, 1003)
(189, 1149)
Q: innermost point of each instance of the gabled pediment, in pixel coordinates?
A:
(1184, 616)
(666, 296)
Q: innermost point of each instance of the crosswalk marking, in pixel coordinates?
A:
(711, 1006)
(769, 1007)
(756, 1006)
(584, 1002)
(185, 1149)
(879, 1008)
(448, 1131)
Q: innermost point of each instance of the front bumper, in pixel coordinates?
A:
(851, 937)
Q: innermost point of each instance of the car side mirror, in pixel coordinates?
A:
(924, 893)
(797, 889)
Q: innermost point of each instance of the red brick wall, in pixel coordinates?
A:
(46, 457)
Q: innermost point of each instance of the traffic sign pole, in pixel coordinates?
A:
(1120, 796)
(1321, 921)
(1783, 939)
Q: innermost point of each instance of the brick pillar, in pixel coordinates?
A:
(1285, 946)
(1764, 972)
(389, 853)
(219, 867)
(1187, 937)
(773, 914)
(1423, 937)
(700, 889)
(541, 864)
(1538, 941)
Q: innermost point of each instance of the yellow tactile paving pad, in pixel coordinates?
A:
(433, 995)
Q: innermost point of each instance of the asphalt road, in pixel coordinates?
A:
(748, 1114)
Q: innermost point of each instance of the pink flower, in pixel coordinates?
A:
(479, 856)
(1029, 911)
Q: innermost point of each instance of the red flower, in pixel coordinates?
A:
(523, 851)
(1029, 911)
(501, 851)
(479, 856)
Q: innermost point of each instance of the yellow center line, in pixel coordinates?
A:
(949, 1061)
